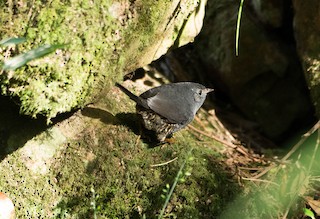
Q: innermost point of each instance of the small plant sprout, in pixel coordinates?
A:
(180, 177)
(93, 202)
(308, 213)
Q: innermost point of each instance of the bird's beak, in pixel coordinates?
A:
(207, 90)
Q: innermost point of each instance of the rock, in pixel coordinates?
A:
(307, 35)
(265, 81)
(6, 207)
(105, 41)
(269, 12)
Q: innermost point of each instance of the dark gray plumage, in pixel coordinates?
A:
(170, 107)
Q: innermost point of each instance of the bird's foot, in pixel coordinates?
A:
(169, 140)
(166, 141)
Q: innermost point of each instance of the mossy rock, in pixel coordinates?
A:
(94, 163)
(106, 39)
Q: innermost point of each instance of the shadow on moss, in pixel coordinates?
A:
(15, 129)
(204, 193)
(130, 120)
(128, 187)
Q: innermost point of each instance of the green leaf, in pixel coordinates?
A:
(22, 59)
(307, 212)
(190, 158)
(12, 41)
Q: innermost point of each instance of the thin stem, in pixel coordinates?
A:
(174, 185)
(238, 27)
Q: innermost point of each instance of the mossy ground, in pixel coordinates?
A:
(126, 186)
(99, 158)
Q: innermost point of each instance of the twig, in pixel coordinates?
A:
(286, 214)
(303, 138)
(199, 122)
(165, 163)
(250, 168)
(294, 148)
(314, 152)
(137, 140)
(264, 171)
(219, 140)
(260, 180)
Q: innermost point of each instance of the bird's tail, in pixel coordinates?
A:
(132, 96)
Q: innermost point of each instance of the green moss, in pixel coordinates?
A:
(105, 39)
(33, 194)
(53, 176)
(125, 184)
(106, 154)
(63, 80)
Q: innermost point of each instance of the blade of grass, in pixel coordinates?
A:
(238, 27)
(176, 179)
(22, 59)
(12, 41)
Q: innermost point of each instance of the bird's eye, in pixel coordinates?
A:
(198, 95)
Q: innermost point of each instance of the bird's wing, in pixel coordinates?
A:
(168, 108)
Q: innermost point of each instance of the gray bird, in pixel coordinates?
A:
(168, 108)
